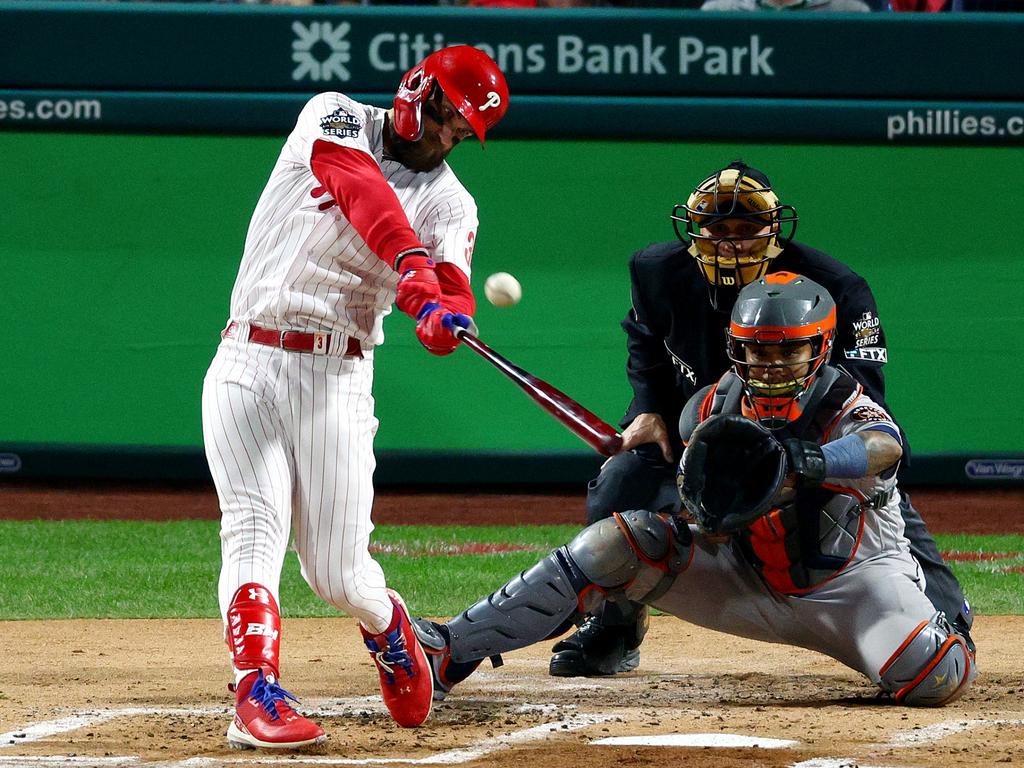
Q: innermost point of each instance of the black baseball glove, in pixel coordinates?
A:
(730, 473)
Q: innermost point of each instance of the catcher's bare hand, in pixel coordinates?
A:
(648, 428)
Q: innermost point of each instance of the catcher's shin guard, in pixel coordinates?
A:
(536, 604)
(932, 667)
(612, 552)
(446, 673)
(540, 602)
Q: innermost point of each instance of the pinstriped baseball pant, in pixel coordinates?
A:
(289, 441)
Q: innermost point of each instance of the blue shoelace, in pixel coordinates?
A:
(393, 654)
(267, 694)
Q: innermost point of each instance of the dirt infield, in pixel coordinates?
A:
(100, 693)
(103, 693)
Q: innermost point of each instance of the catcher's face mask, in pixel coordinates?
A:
(734, 225)
(777, 370)
(779, 337)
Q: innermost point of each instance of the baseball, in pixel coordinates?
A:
(503, 290)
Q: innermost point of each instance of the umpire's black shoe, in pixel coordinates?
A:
(595, 650)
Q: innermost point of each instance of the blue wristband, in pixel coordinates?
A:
(426, 309)
(846, 457)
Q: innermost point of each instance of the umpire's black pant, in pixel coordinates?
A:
(642, 480)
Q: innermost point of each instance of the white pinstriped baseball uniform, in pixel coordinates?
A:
(289, 434)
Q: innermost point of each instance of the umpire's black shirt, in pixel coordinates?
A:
(677, 341)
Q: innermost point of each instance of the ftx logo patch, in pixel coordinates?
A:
(681, 364)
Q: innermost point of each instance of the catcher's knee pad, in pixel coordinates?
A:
(932, 667)
(611, 552)
(536, 604)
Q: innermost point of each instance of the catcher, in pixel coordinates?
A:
(795, 534)
(732, 230)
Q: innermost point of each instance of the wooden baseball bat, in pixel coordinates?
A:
(589, 427)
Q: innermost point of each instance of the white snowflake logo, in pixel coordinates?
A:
(309, 65)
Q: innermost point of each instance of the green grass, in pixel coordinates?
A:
(119, 569)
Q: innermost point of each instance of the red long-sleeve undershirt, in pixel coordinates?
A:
(458, 296)
(354, 180)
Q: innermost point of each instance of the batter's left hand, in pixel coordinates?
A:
(436, 325)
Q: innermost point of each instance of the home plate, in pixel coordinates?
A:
(696, 740)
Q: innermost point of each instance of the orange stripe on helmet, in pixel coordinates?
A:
(767, 334)
(781, 277)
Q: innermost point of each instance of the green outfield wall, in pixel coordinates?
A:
(135, 139)
(119, 252)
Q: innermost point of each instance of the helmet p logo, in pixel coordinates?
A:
(493, 100)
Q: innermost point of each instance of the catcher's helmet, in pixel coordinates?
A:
(734, 225)
(781, 311)
(469, 78)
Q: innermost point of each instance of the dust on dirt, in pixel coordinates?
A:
(156, 691)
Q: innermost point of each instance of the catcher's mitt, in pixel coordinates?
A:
(730, 473)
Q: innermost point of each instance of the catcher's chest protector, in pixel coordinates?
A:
(804, 542)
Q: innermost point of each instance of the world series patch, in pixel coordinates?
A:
(868, 413)
(341, 123)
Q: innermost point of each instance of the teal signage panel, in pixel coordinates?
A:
(833, 120)
(168, 46)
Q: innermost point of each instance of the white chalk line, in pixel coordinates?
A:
(722, 740)
(929, 734)
(346, 707)
(46, 728)
(449, 757)
(914, 737)
(33, 761)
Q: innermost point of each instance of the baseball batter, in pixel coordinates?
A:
(816, 559)
(361, 211)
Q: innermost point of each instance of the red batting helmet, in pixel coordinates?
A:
(469, 78)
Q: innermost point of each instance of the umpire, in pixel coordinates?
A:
(731, 231)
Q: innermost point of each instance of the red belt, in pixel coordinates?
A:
(295, 341)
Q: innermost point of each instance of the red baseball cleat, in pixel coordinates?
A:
(405, 679)
(263, 717)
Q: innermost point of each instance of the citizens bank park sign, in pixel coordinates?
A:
(241, 48)
(322, 52)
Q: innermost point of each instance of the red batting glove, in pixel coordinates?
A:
(418, 285)
(436, 326)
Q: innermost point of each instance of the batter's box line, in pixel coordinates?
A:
(347, 707)
(84, 719)
(929, 734)
(474, 751)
